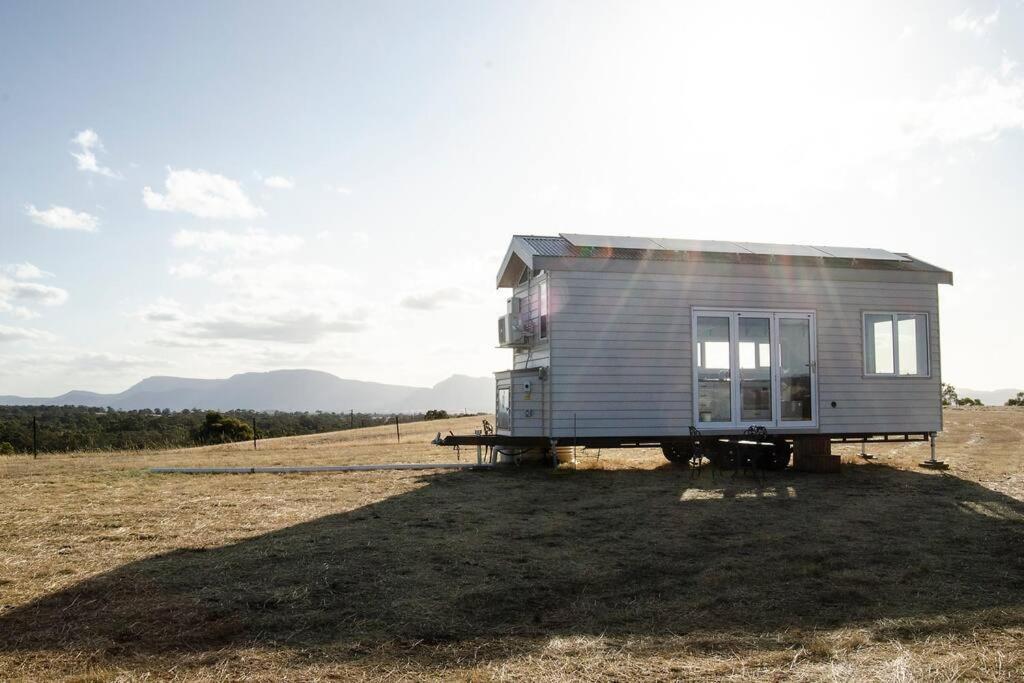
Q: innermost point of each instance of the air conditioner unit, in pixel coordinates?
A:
(510, 332)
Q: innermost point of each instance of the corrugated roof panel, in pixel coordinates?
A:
(611, 241)
(863, 254)
(549, 246)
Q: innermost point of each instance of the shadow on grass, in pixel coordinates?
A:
(540, 553)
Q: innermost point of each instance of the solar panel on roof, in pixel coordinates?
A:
(723, 247)
(781, 249)
(611, 241)
(865, 254)
(699, 245)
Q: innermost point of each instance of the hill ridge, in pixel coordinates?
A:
(291, 389)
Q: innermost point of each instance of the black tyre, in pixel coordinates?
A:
(778, 457)
(675, 453)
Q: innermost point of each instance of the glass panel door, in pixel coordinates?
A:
(713, 355)
(755, 368)
(503, 409)
(796, 368)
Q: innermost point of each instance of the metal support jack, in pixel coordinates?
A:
(863, 451)
(932, 463)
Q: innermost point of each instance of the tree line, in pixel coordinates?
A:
(950, 397)
(75, 428)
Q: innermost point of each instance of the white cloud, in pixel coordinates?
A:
(89, 143)
(25, 271)
(1006, 66)
(977, 24)
(341, 189)
(163, 311)
(864, 141)
(10, 334)
(294, 327)
(106, 362)
(278, 182)
(18, 293)
(187, 270)
(430, 301)
(203, 194)
(178, 343)
(250, 243)
(20, 312)
(31, 293)
(62, 218)
(978, 106)
(285, 282)
(275, 301)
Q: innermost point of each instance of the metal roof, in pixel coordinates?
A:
(715, 246)
(568, 245)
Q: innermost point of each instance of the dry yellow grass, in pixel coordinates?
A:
(624, 568)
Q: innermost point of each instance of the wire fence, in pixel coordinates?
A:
(37, 430)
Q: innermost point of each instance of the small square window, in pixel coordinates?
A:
(896, 344)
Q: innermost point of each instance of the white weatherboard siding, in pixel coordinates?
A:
(621, 339)
(529, 410)
(528, 407)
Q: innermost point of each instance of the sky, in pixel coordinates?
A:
(199, 189)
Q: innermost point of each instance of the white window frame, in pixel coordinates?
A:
(734, 314)
(894, 316)
(543, 319)
(497, 403)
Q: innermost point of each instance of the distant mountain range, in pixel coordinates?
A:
(996, 397)
(285, 390)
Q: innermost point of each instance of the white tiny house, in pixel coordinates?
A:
(630, 339)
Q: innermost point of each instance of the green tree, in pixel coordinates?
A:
(436, 415)
(217, 428)
(6, 448)
(949, 397)
(1017, 401)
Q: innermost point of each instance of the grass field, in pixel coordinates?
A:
(623, 568)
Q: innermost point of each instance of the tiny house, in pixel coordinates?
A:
(628, 340)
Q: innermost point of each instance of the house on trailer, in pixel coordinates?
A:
(628, 340)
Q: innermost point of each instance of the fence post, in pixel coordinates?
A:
(35, 435)
(398, 433)
(254, 432)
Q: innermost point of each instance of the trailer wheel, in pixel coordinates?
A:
(674, 452)
(778, 458)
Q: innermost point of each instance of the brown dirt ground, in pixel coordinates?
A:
(625, 567)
